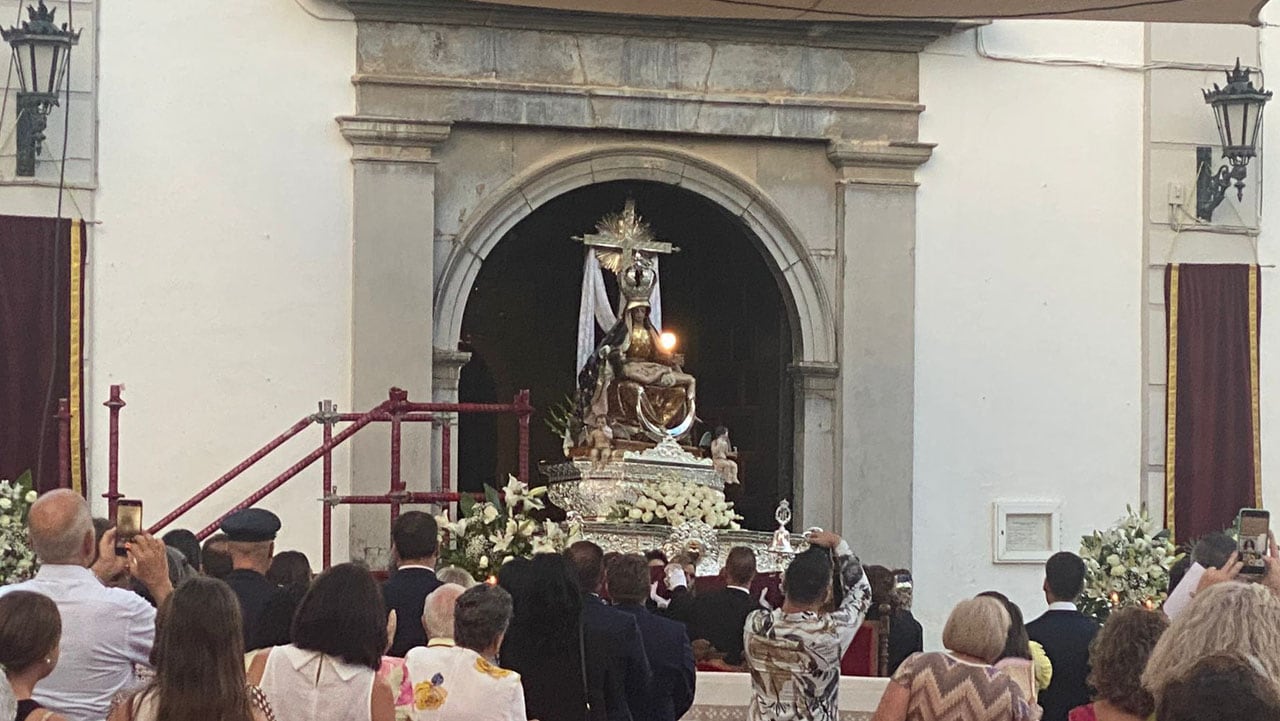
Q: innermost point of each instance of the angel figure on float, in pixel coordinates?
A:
(720, 451)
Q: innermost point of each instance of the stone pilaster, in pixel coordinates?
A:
(391, 302)
(876, 229)
(817, 463)
(446, 369)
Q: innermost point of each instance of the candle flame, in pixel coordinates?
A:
(668, 341)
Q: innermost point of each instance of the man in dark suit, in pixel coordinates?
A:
(719, 616)
(251, 535)
(415, 545)
(618, 632)
(1065, 634)
(665, 643)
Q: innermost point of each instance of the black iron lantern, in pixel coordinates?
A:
(1237, 108)
(40, 50)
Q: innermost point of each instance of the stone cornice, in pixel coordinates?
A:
(878, 163)
(900, 36)
(392, 140)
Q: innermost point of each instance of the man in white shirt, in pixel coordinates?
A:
(105, 631)
(464, 682)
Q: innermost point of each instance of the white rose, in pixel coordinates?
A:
(1113, 560)
(484, 561)
(6, 504)
(1117, 571)
(490, 514)
(635, 514)
(647, 517)
(660, 512)
(675, 519)
(31, 496)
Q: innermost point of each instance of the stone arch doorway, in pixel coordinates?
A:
(720, 296)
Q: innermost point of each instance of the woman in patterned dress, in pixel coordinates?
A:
(959, 684)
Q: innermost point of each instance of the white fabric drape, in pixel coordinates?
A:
(594, 308)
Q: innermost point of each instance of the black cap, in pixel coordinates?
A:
(251, 525)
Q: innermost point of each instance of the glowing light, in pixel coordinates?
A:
(492, 580)
(668, 341)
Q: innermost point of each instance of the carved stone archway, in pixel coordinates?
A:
(813, 324)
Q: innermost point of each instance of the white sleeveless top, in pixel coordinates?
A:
(311, 686)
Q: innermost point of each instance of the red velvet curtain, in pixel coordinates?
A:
(1213, 464)
(36, 337)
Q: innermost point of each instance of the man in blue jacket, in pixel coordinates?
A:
(665, 643)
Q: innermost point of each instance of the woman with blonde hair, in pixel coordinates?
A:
(959, 684)
(1233, 617)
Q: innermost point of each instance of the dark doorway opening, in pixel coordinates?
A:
(719, 295)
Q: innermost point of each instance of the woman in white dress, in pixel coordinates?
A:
(199, 661)
(329, 672)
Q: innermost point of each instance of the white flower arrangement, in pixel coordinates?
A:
(671, 504)
(488, 534)
(1126, 565)
(17, 560)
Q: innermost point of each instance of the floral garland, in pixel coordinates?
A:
(1126, 565)
(671, 504)
(490, 533)
(17, 560)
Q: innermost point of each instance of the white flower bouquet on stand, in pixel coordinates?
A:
(671, 504)
(489, 533)
(17, 560)
(1126, 565)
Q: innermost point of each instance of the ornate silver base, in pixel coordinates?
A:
(714, 545)
(579, 486)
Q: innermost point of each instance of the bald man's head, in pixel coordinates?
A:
(61, 529)
(437, 612)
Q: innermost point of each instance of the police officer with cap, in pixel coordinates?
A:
(251, 535)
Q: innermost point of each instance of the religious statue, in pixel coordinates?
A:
(720, 450)
(634, 382)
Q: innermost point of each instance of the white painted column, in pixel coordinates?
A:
(392, 288)
(446, 370)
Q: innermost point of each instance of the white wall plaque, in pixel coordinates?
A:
(1026, 531)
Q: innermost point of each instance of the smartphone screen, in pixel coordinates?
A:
(1253, 526)
(128, 523)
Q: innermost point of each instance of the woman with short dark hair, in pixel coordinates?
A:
(30, 635)
(199, 661)
(290, 568)
(329, 671)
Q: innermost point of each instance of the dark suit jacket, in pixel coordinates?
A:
(680, 608)
(906, 636)
(719, 617)
(405, 592)
(1066, 636)
(628, 678)
(671, 660)
(254, 592)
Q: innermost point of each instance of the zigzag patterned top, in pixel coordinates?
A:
(944, 688)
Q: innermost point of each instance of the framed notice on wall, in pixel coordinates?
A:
(1026, 531)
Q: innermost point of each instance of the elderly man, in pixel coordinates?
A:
(105, 631)
(437, 614)
(463, 682)
(251, 535)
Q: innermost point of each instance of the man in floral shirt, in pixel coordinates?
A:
(794, 652)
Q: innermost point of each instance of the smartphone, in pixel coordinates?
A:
(1253, 527)
(128, 523)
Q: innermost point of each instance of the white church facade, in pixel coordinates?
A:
(965, 225)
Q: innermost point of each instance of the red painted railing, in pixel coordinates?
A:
(396, 410)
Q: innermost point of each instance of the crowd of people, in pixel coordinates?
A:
(169, 630)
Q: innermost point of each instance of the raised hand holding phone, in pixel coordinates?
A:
(1253, 527)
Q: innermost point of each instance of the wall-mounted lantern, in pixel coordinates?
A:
(40, 50)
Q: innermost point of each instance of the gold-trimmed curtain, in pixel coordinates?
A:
(1213, 456)
(41, 346)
